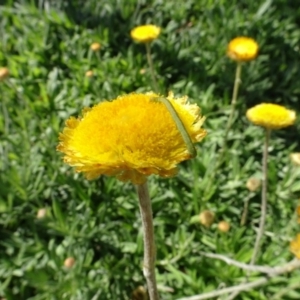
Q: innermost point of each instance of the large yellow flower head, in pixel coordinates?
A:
(145, 33)
(130, 137)
(242, 49)
(295, 246)
(271, 116)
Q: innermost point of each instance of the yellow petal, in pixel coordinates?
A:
(271, 116)
(242, 49)
(130, 137)
(145, 33)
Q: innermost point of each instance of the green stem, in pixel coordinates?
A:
(263, 207)
(263, 197)
(245, 212)
(149, 243)
(237, 82)
(221, 155)
(150, 62)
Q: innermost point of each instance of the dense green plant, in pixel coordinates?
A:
(46, 46)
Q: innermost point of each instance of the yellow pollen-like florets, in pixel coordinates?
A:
(145, 33)
(242, 49)
(130, 137)
(271, 116)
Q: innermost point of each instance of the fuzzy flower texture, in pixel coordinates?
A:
(145, 33)
(271, 116)
(130, 137)
(242, 49)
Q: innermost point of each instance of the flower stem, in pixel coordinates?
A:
(237, 82)
(221, 154)
(263, 197)
(149, 243)
(150, 62)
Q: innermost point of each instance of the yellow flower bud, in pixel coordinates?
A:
(69, 262)
(4, 73)
(139, 293)
(95, 47)
(295, 158)
(253, 184)
(224, 226)
(89, 74)
(42, 212)
(207, 218)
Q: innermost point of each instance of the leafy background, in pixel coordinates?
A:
(46, 46)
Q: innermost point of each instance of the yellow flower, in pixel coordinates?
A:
(242, 49)
(95, 47)
(4, 73)
(295, 246)
(253, 184)
(69, 262)
(295, 158)
(224, 226)
(42, 212)
(271, 116)
(130, 137)
(207, 218)
(145, 33)
(89, 74)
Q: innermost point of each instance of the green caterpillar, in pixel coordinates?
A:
(190, 146)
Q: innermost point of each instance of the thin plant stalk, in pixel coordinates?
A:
(237, 82)
(152, 72)
(149, 243)
(221, 155)
(263, 206)
(245, 210)
(263, 197)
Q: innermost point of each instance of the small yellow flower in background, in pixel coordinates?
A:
(130, 137)
(207, 218)
(295, 158)
(295, 246)
(224, 226)
(271, 116)
(89, 74)
(253, 184)
(69, 262)
(145, 33)
(42, 212)
(242, 49)
(4, 73)
(95, 47)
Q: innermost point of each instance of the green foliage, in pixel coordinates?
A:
(45, 45)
